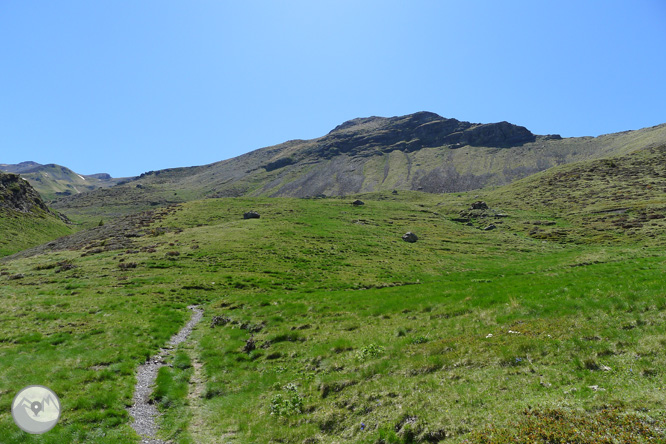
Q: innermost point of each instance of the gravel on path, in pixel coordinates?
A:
(142, 411)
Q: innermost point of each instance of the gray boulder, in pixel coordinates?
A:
(251, 215)
(410, 237)
(479, 205)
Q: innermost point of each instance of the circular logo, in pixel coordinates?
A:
(36, 409)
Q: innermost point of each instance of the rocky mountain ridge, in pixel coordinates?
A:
(421, 151)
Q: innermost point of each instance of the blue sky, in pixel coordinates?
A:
(129, 86)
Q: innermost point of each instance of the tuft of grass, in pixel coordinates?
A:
(545, 426)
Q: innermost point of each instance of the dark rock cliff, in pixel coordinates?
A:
(17, 194)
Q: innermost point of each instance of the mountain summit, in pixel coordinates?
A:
(421, 151)
(425, 129)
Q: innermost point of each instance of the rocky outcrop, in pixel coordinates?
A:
(414, 132)
(17, 194)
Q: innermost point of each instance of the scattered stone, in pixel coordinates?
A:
(250, 345)
(64, 266)
(358, 203)
(252, 328)
(219, 320)
(410, 237)
(490, 227)
(394, 192)
(605, 368)
(16, 276)
(479, 205)
(251, 215)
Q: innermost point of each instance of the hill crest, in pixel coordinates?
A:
(421, 151)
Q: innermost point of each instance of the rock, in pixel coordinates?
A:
(251, 215)
(479, 205)
(490, 227)
(219, 320)
(18, 195)
(394, 192)
(358, 203)
(250, 345)
(410, 237)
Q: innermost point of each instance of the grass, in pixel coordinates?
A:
(329, 328)
(24, 230)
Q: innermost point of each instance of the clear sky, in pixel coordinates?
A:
(129, 86)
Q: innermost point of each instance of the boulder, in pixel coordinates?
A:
(490, 227)
(410, 237)
(358, 203)
(479, 205)
(251, 215)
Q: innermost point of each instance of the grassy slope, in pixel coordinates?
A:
(24, 220)
(24, 230)
(358, 327)
(429, 169)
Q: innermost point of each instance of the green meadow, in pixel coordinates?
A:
(322, 325)
(21, 230)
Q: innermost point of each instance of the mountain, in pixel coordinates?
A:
(52, 181)
(25, 220)
(420, 151)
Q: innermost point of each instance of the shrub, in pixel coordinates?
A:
(290, 403)
(369, 352)
(418, 340)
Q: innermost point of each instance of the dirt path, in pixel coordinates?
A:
(200, 422)
(142, 411)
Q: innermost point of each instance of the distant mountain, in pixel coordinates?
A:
(421, 151)
(52, 181)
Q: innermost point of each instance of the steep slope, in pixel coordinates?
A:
(52, 181)
(614, 200)
(421, 151)
(25, 221)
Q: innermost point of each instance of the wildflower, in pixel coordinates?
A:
(489, 335)
(362, 426)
